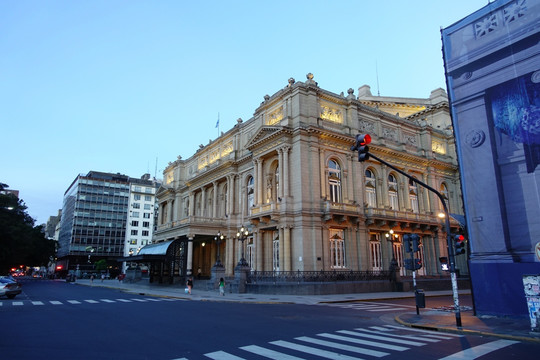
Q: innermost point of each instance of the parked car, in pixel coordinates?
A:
(9, 287)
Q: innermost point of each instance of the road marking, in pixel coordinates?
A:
(388, 309)
(139, 300)
(222, 355)
(107, 301)
(92, 301)
(313, 351)
(17, 303)
(123, 300)
(75, 302)
(364, 342)
(349, 348)
(269, 353)
(379, 328)
(422, 331)
(152, 299)
(37, 303)
(398, 336)
(480, 350)
(399, 341)
(54, 302)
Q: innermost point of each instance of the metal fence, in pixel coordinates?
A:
(274, 277)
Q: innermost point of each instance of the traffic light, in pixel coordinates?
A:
(362, 140)
(417, 264)
(408, 264)
(407, 242)
(415, 242)
(459, 244)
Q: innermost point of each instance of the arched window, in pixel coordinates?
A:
(371, 193)
(413, 196)
(334, 181)
(337, 249)
(250, 192)
(393, 201)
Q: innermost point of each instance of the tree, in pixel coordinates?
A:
(101, 265)
(21, 242)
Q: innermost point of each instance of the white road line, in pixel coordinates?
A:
(123, 300)
(339, 346)
(54, 302)
(480, 350)
(384, 338)
(399, 336)
(314, 351)
(422, 331)
(271, 354)
(107, 301)
(139, 300)
(388, 309)
(364, 342)
(17, 303)
(152, 299)
(92, 301)
(222, 355)
(37, 303)
(75, 302)
(379, 328)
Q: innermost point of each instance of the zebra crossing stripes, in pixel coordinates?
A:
(333, 345)
(372, 307)
(83, 301)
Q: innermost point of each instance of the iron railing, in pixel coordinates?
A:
(274, 277)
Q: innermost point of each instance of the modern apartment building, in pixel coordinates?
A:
(96, 211)
(289, 176)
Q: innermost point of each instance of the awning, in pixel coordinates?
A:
(152, 252)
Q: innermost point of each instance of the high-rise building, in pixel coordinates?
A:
(288, 174)
(96, 210)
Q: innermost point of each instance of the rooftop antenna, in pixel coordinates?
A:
(217, 124)
(377, 75)
(155, 171)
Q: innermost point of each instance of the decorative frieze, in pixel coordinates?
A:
(331, 114)
(275, 116)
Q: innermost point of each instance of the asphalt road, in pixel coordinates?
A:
(58, 320)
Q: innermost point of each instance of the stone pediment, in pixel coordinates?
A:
(163, 190)
(265, 134)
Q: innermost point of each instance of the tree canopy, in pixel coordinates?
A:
(21, 242)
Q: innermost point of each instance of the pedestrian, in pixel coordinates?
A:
(102, 277)
(92, 278)
(199, 272)
(221, 287)
(189, 285)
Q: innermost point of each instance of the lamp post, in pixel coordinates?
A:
(219, 238)
(241, 235)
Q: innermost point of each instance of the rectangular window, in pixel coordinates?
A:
(145, 233)
(337, 248)
(135, 214)
(146, 215)
(137, 188)
(147, 206)
(134, 232)
(146, 224)
(375, 252)
(147, 198)
(148, 190)
(133, 242)
(275, 252)
(137, 197)
(371, 197)
(136, 205)
(134, 223)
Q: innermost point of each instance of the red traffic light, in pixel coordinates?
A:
(363, 139)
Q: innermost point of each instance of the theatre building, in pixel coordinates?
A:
(288, 176)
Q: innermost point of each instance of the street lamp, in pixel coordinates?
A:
(219, 238)
(242, 236)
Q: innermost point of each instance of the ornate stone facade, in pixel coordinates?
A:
(289, 175)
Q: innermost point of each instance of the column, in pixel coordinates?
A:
(259, 182)
(323, 174)
(282, 259)
(189, 271)
(169, 211)
(384, 187)
(286, 171)
(191, 203)
(280, 164)
(204, 210)
(287, 248)
(229, 255)
(214, 213)
(259, 249)
(177, 207)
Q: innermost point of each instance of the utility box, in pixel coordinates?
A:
(531, 285)
(420, 297)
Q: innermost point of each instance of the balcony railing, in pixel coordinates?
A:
(274, 277)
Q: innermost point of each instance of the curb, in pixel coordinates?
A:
(466, 331)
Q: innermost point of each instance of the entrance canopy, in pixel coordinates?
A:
(151, 252)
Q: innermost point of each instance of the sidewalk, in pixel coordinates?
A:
(508, 328)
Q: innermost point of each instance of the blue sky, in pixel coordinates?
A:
(123, 86)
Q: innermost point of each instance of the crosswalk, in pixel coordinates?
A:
(19, 303)
(369, 306)
(359, 343)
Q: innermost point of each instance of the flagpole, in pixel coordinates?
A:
(217, 124)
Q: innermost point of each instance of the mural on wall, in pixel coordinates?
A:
(515, 111)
